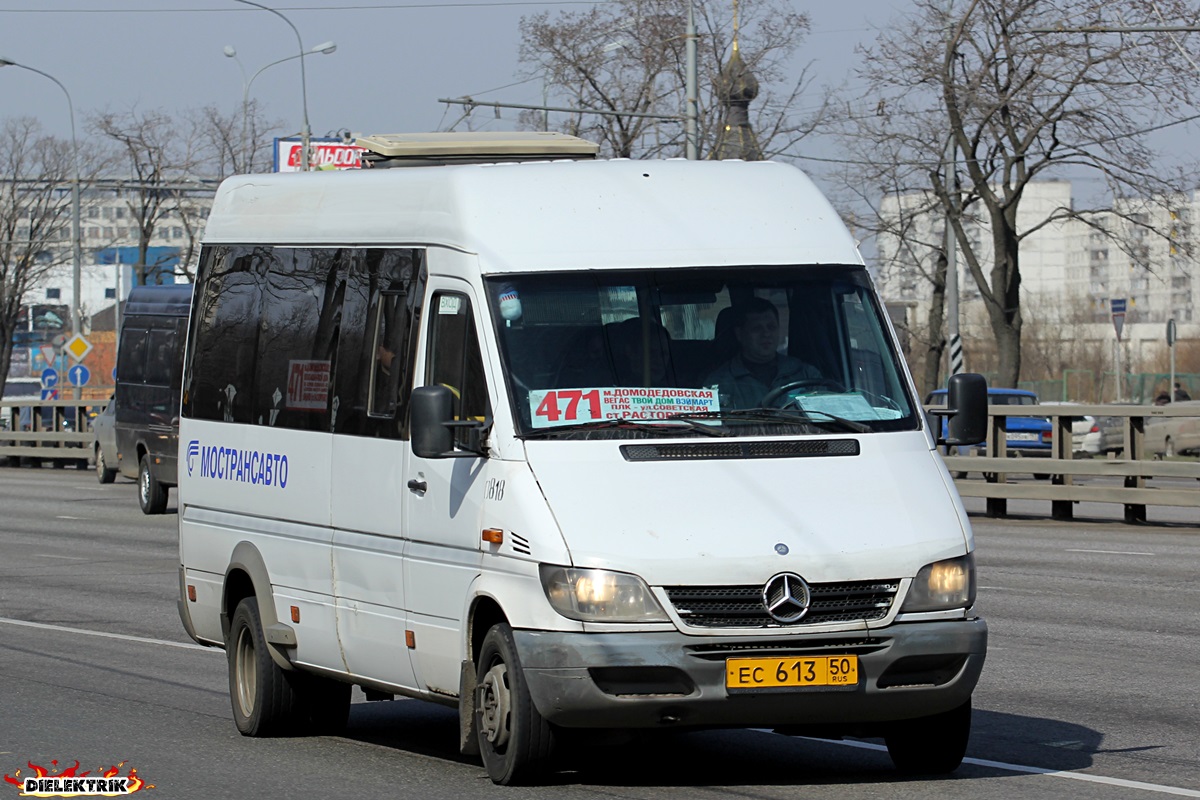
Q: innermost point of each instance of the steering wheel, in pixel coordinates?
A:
(772, 397)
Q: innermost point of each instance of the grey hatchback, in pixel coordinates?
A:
(104, 448)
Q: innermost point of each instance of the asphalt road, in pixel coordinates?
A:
(1089, 690)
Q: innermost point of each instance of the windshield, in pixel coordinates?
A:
(617, 354)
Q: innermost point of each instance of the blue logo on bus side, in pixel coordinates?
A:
(256, 467)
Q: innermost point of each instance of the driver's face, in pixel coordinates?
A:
(759, 337)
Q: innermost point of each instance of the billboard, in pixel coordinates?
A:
(325, 153)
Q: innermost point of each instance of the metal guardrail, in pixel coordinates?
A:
(1134, 464)
(45, 430)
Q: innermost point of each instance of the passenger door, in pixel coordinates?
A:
(444, 497)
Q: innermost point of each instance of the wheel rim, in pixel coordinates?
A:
(495, 702)
(100, 466)
(244, 672)
(1170, 448)
(144, 486)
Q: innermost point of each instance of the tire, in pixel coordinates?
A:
(152, 495)
(515, 741)
(932, 745)
(263, 699)
(103, 473)
(1041, 476)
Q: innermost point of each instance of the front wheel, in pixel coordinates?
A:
(152, 495)
(514, 740)
(103, 473)
(933, 745)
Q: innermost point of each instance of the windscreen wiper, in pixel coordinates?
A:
(799, 416)
(675, 426)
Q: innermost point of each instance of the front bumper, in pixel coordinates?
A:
(651, 680)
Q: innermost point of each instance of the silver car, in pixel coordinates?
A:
(105, 447)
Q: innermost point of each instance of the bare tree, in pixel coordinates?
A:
(1017, 105)
(629, 56)
(161, 156)
(237, 143)
(35, 218)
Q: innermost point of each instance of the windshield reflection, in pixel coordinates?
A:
(698, 347)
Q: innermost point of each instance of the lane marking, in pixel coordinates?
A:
(1110, 552)
(64, 516)
(68, 558)
(1052, 773)
(120, 636)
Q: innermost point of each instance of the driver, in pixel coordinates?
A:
(758, 366)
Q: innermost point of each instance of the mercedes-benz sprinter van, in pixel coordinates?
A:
(567, 443)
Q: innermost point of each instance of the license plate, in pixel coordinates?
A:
(796, 672)
(1023, 437)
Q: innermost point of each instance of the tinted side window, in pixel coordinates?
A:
(224, 339)
(454, 357)
(131, 361)
(376, 352)
(297, 342)
(161, 355)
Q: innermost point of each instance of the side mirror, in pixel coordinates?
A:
(431, 417)
(966, 407)
(430, 410)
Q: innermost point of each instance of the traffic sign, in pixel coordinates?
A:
(78, 347)
(1118, 315)
(49, 378)
(78, 375)
(49, 394)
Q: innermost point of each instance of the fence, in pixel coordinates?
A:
(1134, 465)
(1087, 386)
(58, 431)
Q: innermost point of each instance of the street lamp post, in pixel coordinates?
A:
(306, 133)
(324, 48)
(76, 247)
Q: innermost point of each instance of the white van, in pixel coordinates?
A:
(567, 443)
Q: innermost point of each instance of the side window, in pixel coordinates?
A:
(377, 346)
(131, 361)
(160, 357)
(224, 339)
(297, 341)
(454, 358)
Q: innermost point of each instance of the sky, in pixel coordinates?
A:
(393, 59)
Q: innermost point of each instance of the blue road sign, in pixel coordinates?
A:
(49, 394)
(1118, 305)
(78, 375)
(49, 378)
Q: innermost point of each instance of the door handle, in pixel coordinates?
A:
(417, 486)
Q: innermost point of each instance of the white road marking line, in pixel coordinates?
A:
(1111, 552)
(63, 516)
(121, 636)
(68, 558)
(1053, 773)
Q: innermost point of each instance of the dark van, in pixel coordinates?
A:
(149, 367)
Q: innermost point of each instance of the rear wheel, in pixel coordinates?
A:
(152, 495)
(264, 702)
(933, 745)
(514, 740)
(103, 473)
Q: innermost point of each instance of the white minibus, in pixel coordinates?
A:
(567, 443)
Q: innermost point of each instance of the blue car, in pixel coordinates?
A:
(1028, 436)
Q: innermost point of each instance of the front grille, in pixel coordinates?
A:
(742, 606)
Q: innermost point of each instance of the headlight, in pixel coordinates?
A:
(943, 585)
(598, 595)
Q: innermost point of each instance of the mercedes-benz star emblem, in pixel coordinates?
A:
(786, 597)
